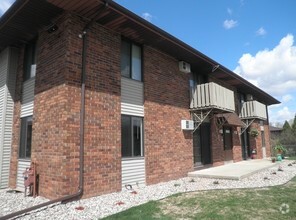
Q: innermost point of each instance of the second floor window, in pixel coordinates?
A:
(131, 60)
(30, 60)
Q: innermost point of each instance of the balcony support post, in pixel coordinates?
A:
(247, 122)
(199, 117)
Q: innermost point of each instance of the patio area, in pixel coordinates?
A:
(234, 171)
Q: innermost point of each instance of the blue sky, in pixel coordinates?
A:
(254, 38)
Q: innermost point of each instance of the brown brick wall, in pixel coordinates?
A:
(103, 113)
(267, 140)
(237, 148)
(55, 145)
(168, 149)
(255, 142)
(217, 144)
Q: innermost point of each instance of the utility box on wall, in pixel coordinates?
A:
(184, 67)
(187, 124)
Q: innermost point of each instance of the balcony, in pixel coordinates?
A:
(212, 96)
(253, 109)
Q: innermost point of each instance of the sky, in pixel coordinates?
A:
(253, 38)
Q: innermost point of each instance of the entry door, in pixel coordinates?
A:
(227, 134)
(244, 145)
(202, 145)
(197, 147)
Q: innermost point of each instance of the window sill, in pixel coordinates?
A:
(128, 78)
(133, 158)
(24, 159)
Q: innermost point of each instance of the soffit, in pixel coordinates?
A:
(23, 20)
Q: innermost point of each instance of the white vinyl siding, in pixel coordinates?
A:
(132, 97)
(28, 97)
(8, 66)
(21, 167)
(133, 172)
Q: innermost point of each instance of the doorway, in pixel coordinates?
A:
(227, 139)
(202, 154)
(246, 151)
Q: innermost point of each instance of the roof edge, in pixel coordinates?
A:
(11, 11)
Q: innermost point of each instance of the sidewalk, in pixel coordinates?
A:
(234, 171)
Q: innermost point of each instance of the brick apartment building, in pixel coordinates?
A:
(90, 77)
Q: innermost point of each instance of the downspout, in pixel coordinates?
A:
(79, 193)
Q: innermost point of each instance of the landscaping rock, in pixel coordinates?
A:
(102, 206)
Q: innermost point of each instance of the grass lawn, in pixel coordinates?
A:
(291, 158)
(261, 203)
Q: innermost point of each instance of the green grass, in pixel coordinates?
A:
(261, 203)
(291, 158)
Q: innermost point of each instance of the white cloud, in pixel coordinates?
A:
(228, 24)
(281, 115)
(147, 16)
(229, 11)
(272, 70)
(4, 5)
(261, 32)
(287, 98)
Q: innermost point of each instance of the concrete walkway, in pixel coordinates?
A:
(234, 171)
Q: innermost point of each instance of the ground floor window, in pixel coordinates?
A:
(26, 138)
(131, 136)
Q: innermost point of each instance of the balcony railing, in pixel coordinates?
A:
(212, 95)
(253, 109)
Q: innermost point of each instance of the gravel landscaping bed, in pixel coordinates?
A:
(101, 206)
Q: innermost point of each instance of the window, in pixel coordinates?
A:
(30, 60)
(26, 137)
(131, 61)
(131, 136)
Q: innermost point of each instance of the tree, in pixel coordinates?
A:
(286, 126)
(294, 125)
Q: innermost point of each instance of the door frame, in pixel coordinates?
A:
(228, 152)
(205, 146)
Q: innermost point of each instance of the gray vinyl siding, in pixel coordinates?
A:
(8, 68)
(133, 172)
(26, 110)
(21, 167)
(132, 97)
(132, 103)
(28, 98)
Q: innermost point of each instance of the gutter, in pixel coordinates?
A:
(79, 193)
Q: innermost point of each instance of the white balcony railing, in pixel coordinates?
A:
(212, 95)
(253, 109)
